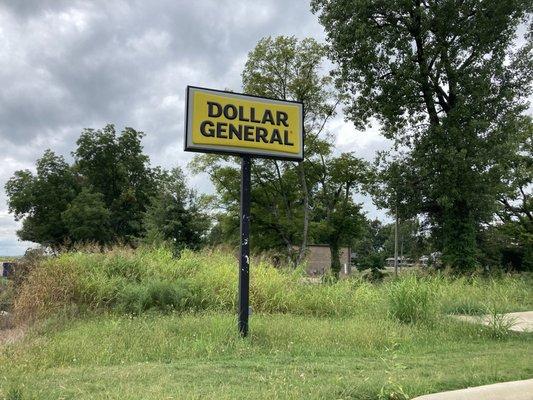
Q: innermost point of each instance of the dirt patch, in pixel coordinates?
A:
(9, 336)
(9, 333)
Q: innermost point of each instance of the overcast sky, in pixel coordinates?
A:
(66, 65)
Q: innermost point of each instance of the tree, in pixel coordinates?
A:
(87, 218)
(104, 196)
(174, 214)
(336, 218)
(289, 69)
(115, 166)
(516, 202)
(443, 80)
(391, 188)
(369, 244)
(38, 200)
(508, 240)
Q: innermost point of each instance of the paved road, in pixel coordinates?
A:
(521, 321)
(517, 390)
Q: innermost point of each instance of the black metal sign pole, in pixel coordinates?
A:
(244, 262)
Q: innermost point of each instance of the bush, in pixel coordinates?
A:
(47, 289)
(157, 295)
(412, 300)
(6, 294)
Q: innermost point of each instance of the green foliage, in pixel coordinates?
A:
(412, 300)
(508, 241)
(287, 356)
(376, 243)
(337, 220)
(447, 84)
(87, 218)
(287, 68)
(372, 247)
(499, 324)
(115, 166)
(292, 204)
(392, 389)
(14, 394)
(110, 194)
(174, 215)
(159, 295)
(39, 199)
(300, 332)
(127, 280)
(282, 68)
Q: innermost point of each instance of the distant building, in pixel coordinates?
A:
(318, 260)
(407, 262)
(402, 262)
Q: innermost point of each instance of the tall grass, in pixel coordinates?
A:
(413, 300)
(349, 339)
(134, 281)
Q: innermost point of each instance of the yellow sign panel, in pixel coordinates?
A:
(225, 122)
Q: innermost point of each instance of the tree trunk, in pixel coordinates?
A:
(303, 246)
(459, 238)
(335, 259)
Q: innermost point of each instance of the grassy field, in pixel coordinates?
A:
(139, 325)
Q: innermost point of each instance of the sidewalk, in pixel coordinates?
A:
(521, 321)
(517, 390)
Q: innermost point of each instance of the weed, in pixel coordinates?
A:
(499, 324)
(394, 369)
(14, 394)
(412, 300)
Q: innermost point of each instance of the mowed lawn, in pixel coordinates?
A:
(199, 356)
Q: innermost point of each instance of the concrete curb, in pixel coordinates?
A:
(517, 390)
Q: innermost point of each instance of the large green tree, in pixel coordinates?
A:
(516, 201)
(444, 80)
(87, 218)
(175, 214)
(337, 219)
(508, 240)
(39, 200)
(370, 249)
(115, 165)
(110, 194)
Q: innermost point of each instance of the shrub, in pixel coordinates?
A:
(6, 294)
(158, 295)
(499, 324)
(47, 289)
(412, 300)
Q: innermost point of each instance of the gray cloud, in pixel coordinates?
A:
(67, 65)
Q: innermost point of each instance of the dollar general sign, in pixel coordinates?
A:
(225, 122)
(247, 126)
